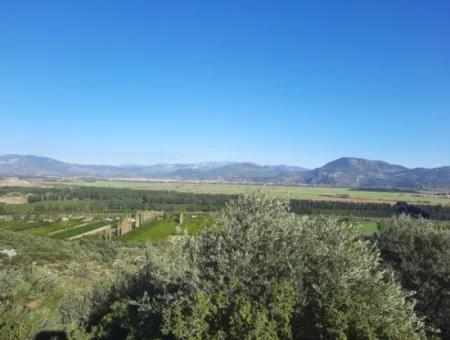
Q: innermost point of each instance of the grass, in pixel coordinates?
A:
(53, 227)
(64, 279)
(19, 225)
(158, 231)
(153, 232)
(369, 228)
(79, 230)
(297, 192)
(42, 250)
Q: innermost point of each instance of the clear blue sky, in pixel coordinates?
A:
(297, 82)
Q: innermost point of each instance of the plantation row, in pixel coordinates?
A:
(84, 200)
(57, 230)
(374, 210)
(107, 200)
(71, 232)
(79, 200)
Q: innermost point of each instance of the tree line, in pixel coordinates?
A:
(365, 209)
(90, 199)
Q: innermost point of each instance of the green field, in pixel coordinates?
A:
(158, 231)
(296, 192)
(50, 228)
(20, 225)
(74, 206)
(79, 230)
(369, 228)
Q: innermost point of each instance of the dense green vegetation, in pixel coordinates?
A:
(419, 252)
(255, 270)
(376, 210)
(43, 250)
(52, 284)
(52, 207)
(262, 272)
(87, 200)
(79, 200)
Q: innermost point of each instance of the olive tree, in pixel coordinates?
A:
(263, 273)
(419, 251)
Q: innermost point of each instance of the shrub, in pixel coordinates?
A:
(262, 272)
(52, 285)
(419, 252)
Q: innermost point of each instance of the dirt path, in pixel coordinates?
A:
(92, 232)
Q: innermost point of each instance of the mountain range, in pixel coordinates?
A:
(346, 172)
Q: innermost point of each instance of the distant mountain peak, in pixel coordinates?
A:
(359, 164)
(344, 171)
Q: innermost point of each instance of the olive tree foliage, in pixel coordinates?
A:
(419, 252)
(263, 273)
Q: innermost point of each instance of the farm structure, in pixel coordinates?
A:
(147, 216)
(128, 223)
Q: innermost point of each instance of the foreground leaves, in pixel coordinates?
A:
(264, 273)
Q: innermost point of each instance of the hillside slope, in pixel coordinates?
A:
(345, 172)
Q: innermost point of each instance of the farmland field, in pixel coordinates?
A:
(368, 228)
(50, 228)
(19, 225)
(43, 206)
(158, 231)
(79, 230)
(296, 192)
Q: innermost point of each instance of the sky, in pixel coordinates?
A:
(294, 82)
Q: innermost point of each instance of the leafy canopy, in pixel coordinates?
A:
(263, 273)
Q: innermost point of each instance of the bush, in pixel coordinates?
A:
(52, 285)
(262, 272)
(419, 251)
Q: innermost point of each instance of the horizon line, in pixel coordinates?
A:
(219, 161)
